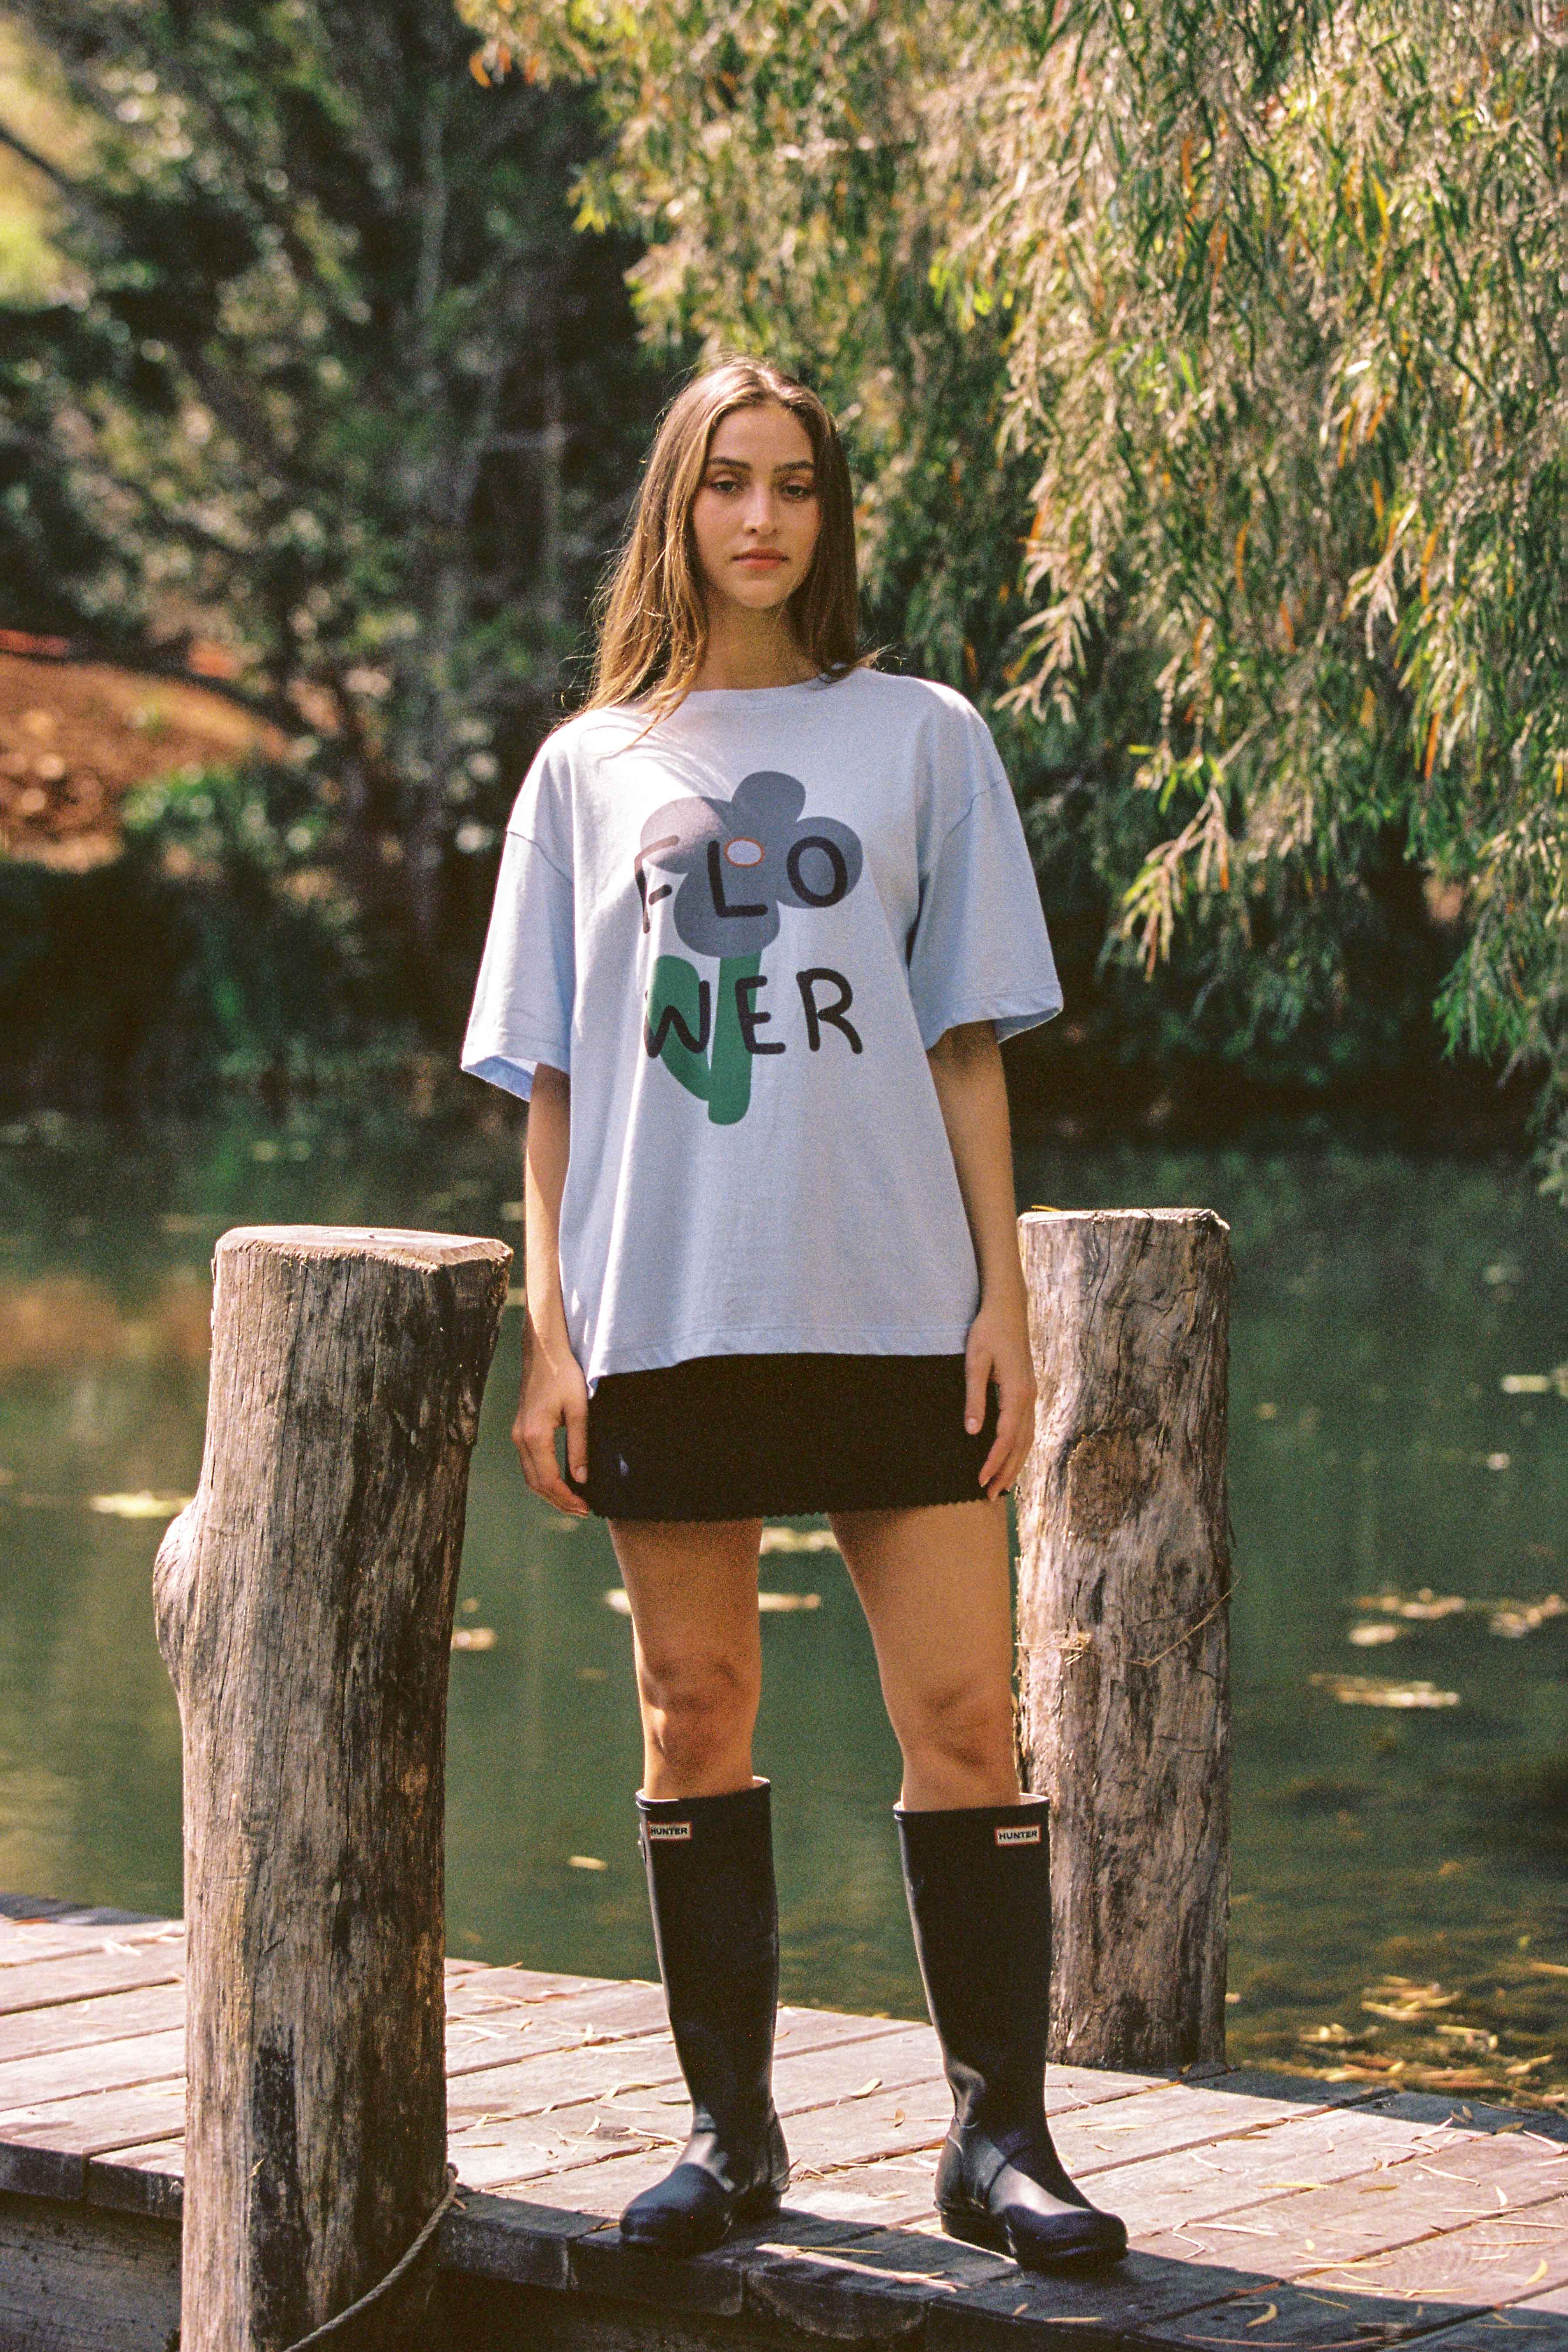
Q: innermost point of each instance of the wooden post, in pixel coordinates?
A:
(304, 1608)
(1123, 1638)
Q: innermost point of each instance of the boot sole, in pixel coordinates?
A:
(984, 2230)
(754, 2205)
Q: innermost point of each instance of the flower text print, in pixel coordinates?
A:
(733, 864)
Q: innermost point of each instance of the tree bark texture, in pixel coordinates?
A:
(1123, 1636)
(304, 1608)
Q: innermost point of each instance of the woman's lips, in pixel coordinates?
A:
(762, 562)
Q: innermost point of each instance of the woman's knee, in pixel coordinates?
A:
(965, 1727)
(696, 1709)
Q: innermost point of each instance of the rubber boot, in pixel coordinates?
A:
(978, 1882)
(715, 1924)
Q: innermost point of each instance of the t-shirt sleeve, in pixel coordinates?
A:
(521, 1012)
(980, 949)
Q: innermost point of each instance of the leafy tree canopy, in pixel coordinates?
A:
(1206, 368)
(323, 372)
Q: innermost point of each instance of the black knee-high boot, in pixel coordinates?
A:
(978, 1882)
(715, 1923)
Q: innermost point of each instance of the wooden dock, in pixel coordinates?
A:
(1265, 2211)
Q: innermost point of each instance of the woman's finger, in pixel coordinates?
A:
(977, 1365)
(1014, 1434)
(1003, 1443)
(577, 1437)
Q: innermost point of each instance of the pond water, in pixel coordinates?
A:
(1401, 1905)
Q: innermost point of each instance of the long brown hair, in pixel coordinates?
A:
(652, 612)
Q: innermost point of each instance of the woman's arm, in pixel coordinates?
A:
(966, 1067)
(554, 1389)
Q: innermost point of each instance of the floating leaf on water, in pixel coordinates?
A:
(1372, 1633)
(799, 1539)
(585, 1861)
(139, 1507)
(1402, 2003)
(1513, 1619)
(619, 1600)
(1526, 1383)
(1422, 1607)
(1365, 1690)
(1497, 1461)
(474, 1637)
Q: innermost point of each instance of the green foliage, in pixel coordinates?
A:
(219, 945)
(328, 375)
(1207, 374)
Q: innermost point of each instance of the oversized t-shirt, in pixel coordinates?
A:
(739, 933)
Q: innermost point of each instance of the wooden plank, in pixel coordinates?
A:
(1497, 2259)
(516, 1983)
(1406, 2206)
(102, 2017)
(1304, 2152)
(618, 2013)
(887, 2192)
(23, 1940)
(43, 2149)
(1522, 2328)
(75, 1976)
(1104, 2311)
(92, 2120)
(73, 2280)
(94, 2066)
(148, 2176)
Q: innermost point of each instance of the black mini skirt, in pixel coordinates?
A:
(740, 1437)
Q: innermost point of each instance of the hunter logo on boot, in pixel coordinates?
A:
(668, 1829)
(1027, 1835)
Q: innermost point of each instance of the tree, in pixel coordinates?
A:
(1241, 335)
(328, 375)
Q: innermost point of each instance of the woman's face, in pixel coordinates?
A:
(757, 512)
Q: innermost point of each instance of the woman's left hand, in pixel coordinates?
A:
(998, 1349)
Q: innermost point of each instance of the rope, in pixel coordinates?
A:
(383, 2286)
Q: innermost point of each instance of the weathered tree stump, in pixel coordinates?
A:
(304, 1607)
(1123, 1637)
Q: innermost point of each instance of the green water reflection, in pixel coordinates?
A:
(1410, 1857)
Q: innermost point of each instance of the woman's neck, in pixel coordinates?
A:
(751, 649)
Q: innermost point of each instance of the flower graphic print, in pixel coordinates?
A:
(732, 864)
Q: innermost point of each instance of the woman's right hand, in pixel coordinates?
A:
(554, 1393)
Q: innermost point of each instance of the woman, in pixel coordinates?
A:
(762, 915)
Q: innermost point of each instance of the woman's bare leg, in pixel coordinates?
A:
(692, 1585)
(934, 1585)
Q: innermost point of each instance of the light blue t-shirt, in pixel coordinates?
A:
(739, 933)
